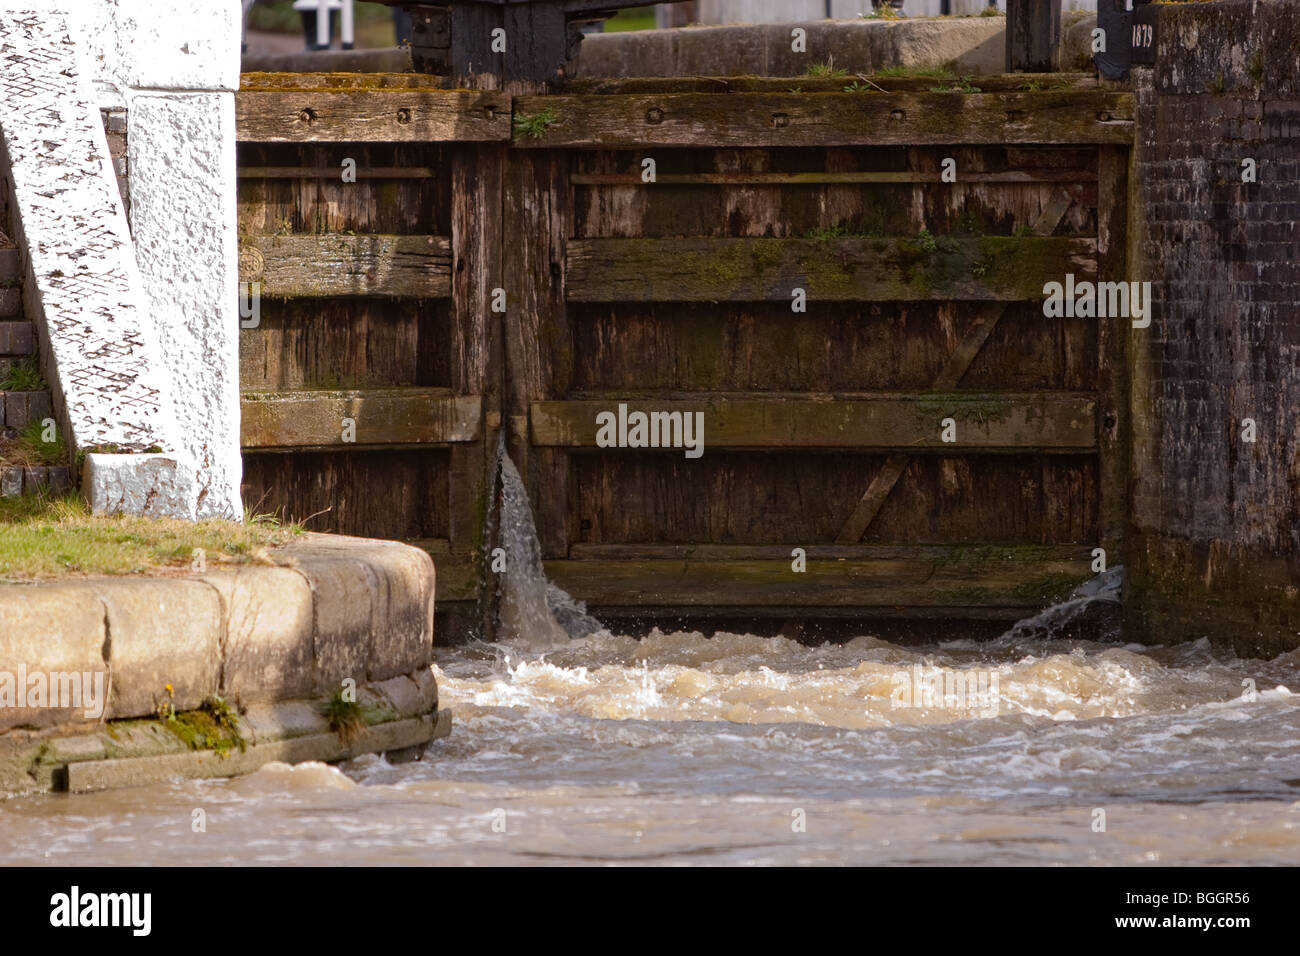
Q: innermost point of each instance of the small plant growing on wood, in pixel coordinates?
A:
(535, 125)
(828, 69)
(960, 85)
(22, 376)
(991, 11)
(345, 718)
(882, 11)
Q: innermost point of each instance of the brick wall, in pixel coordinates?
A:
(1216, 519)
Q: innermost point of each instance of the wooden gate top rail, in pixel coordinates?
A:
(996, 268)
(919, 82)
(380, 416)
(337, 264)
(620, 121)
(371, 116)
(1001, 421)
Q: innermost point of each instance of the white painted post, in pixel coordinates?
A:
(323, 24)
(348, 38)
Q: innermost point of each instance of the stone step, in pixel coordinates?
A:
(9, 264)
(17, 339)
(16, 480)
(17, 409)
(11, 300)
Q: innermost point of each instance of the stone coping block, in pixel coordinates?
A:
(154, 485)
(972, 44)
(148, 751)
(53, 656)
(330, 608)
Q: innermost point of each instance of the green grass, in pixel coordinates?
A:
(22, 376)
(30, 448)
(43, 537)
(922, 72)
(827, 69)
(535, 125)
(631, 18)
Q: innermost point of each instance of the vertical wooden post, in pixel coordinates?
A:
(1033, 35)
(1113, 335)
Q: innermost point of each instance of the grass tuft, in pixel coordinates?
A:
(44, 537)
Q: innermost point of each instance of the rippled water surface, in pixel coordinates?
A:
(731, 748)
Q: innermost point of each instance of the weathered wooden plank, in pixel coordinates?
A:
(1008, 421)
(1112, 346)
(341, 265)
(861, 582)
(1001, 268)
(921, 82)
(970, 556)
(873, 499)
(539, 354)
(1033, 34)
(370, 115)
(825, 119)
(394, 416)
(333, 172)
(259, 81)
(829, 178)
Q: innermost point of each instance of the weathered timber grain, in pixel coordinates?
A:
(873, 499)
(1112, 353)
(994, 83)
(342, 265)
(862, 582)
(1046, 421)
(394, 416)
(828, 119)
(814, 179)
(1001, 268)
(370, 116)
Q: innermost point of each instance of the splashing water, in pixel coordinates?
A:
(534, 613)
(681, 747)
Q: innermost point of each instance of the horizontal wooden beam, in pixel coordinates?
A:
(343, 265)
(379, 417)
(335, 172)
(972, 555)
(817, 179)
(370, 116)
(641, 121)
(867, 582)
(1005, 421)
(919, 81)
(997, 268)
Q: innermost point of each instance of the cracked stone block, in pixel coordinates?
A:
(35, 478)
(163, 632)
(268, 633)
(11, 482)
(22, 408)
(156, 485)
(11, 302)
(16, 338)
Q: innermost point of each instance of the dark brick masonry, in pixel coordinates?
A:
(1216, 519)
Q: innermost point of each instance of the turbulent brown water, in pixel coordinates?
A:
(683, 748)
(686, 748)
